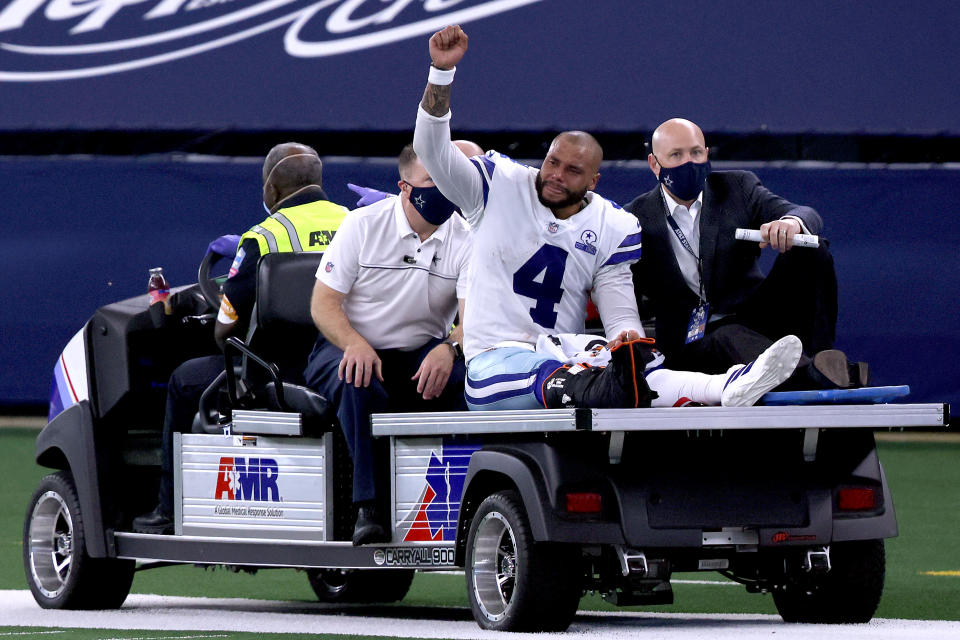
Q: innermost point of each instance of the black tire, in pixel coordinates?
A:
(59, 572)
(513, 582)
(848, 593)
(360, 585)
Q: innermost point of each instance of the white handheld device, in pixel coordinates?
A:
(799, 240)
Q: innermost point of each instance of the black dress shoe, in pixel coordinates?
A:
(156, 522)
(368, 529)
(859, 374)
(830, 369)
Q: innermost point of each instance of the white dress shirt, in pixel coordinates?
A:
(689, 222)
(400, 292)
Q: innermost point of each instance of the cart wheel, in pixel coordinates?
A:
(360, 585)
(849, 592)
(514, 583)
(60, 573)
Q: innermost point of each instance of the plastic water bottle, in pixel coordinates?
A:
(159, 289)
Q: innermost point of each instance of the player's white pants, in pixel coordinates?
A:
(510, 378)
(505, 378)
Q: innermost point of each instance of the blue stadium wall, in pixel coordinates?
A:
(82, 232)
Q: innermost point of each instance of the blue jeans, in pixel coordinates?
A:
(355, 405)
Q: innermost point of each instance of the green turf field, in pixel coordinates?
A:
(924, 477)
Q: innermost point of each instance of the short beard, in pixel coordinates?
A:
(571, 199)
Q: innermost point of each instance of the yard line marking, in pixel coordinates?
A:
(940, 573)
(28, 633)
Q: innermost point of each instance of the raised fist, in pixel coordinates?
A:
(447, 47)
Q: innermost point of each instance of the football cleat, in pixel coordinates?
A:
(746, 383)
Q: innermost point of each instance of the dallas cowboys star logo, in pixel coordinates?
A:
(668, 181)
(419, 201)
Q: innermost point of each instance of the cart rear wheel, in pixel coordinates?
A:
(849, 592)
(513, 582)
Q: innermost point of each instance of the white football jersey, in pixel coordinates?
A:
(530, 272)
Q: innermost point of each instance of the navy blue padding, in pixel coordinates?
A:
(762, 68)
(83, 233)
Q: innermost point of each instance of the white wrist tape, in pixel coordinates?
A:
(441, 77)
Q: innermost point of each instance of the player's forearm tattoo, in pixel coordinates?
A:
(436, 99)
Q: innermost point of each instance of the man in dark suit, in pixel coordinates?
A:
(712, 304)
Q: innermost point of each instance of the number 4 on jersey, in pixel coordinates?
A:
(551, 262)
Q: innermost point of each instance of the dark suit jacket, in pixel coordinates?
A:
(731, 271)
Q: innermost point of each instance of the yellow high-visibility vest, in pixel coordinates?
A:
(304, 227)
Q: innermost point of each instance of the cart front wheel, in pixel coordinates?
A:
(59, 572)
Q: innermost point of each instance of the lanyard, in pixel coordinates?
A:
(686, 245)
(682, 238)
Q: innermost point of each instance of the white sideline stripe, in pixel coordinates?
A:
(27, 422)
(173, 613)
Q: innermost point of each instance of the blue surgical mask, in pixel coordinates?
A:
(686, 180)
(431, 204)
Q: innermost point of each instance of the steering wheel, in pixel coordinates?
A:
(210, 286)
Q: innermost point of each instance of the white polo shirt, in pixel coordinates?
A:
(400, 292)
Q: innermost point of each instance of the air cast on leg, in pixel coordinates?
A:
(625, 383)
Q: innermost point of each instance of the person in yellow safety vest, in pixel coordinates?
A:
(301, 219)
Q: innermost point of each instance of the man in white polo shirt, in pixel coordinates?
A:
(387, 292)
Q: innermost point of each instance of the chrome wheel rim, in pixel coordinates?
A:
(494, 566)
(51, 544)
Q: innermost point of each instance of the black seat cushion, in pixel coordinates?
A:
(299, 399)
(284, 285)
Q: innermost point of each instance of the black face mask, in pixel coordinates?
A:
(431, 204)
(685, 181)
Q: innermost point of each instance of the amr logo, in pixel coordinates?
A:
(321, 238)
(242, 479)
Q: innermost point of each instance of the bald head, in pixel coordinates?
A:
(469, 148)
(288, 168)
(674, 143)
(282, 151)
(590, 150)
(676, 133)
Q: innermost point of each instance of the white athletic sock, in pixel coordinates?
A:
(671, 386)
